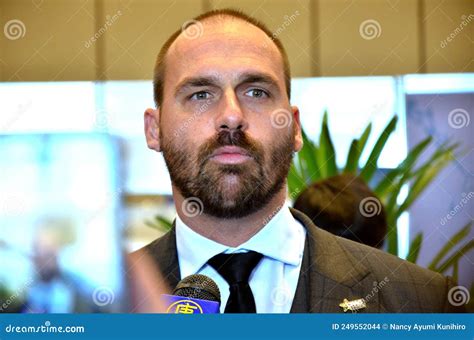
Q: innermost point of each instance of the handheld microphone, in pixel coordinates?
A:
(195, 294)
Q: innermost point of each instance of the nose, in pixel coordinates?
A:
(231, 115)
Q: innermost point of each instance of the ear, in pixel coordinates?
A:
(152, 133)
(298, 144)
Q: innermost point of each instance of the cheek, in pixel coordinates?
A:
(181, 126)
(262, 130)
(187, 139)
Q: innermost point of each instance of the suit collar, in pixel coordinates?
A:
(329, 258)
(329, 274)
(165, 256)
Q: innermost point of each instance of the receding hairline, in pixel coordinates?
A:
(215, 16)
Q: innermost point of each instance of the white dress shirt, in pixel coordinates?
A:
(274, 280)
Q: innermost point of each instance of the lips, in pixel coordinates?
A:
(230, 155)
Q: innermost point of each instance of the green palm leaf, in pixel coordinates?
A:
(422, 181)
(295, 181)
(451, 261)
(414, 249)
(371, 164)
(356, 149)
(452, 242)
(326, 155)
(388, 183)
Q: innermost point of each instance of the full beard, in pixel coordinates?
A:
(230, 191)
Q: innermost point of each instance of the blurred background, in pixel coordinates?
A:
(75, 78)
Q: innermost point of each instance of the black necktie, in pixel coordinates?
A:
(236, 270)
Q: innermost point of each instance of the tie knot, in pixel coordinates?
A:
(235, 268)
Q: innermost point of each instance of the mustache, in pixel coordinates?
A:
(231, 138)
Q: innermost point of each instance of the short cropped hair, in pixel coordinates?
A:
(159, 71)
(336, 204)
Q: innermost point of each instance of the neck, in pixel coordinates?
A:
(231, 232)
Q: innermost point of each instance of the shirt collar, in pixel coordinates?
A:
(280, 240)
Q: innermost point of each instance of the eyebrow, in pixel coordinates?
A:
(189, 82)
(213, 81)
(251, 77)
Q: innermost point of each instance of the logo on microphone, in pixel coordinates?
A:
(185, 307)
(189, 305)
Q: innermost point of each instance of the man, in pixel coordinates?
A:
(339, 205)
(228, 133)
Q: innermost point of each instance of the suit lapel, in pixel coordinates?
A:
(165, 255)
(329, 274)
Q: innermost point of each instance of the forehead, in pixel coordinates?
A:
(224, 45)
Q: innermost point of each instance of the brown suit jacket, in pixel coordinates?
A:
(335, 269)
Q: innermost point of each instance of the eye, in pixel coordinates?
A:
(201, 95)
(256, 93)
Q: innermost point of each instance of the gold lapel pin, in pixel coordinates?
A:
(353, 305)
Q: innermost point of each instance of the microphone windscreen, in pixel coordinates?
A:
(198, 286)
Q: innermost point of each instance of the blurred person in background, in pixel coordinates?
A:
(49, 293)
(54, 289)
(336, 204)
